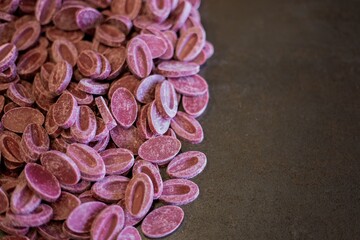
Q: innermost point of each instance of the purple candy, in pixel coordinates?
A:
(179, 191)
(139, 195)
(162, 221)
(139, 58)
(117, 160)
(187, 165)
(41, 215)
(23, 199)
(64, 205)
(110, 189)
(187, 128)
(153, 172)
(129, 233)
(123, 107)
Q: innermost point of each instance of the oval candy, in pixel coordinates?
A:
(18, 118)
(23, 199)
(34, 141)
(110, 189)
(60, 77)
(158, 10)
(109, 35)
(64, 50)
(84, 128)
(89, 63)
(41, 215)
(179, 191)
(128, 81)
(87, 18)
(81, 97)
(117, 58)
(159, 149)
(156, 44)
(187, 165)
(65, 110)
(117, 160)
(162, 221)
(80, 187)
(139, 195)
(124, 107)
(65, 18)
(142, 166)
(30, 62)
(145, 91)
(166, 100)
(190, 43)
(142, 123)
(10, 147)
(196, 105)
(82, 217)
(176, 69)
(157, 123)
(139, 58)
(42, 182)
(129, 233)
(91, 86)
(89, 162)
(108, 223)
(64, 205)
(45, 9)
(26, 35)
(61, 166)
(187, 128)
(190, 86)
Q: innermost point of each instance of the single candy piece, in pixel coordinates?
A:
(187, 128)
(10, 147)
(18, 118)
(157, 123)
(175, 69)
(139, 58)
(4, 201)
(124, 107)
(53, 33)
(65, 204)
(187, 165)
(9, 6)
(23, 199)
(166, 100)
(60, 77)
(93, 87)
(110, 189)
(42, 182)
(30, 62)
(20, 95)
(159, 149)
(45, 9)
(8, 75)
(139, 195)
(142, 166)
(61, 166)
(87, 18)
(89, 162)
(117, 160)
(65, 110)
(156, 44)
(180, 15)
(34, 141)
(26, 35)
(108, 223)
(179, 191)
(128, 8)
(109, 35)
(105, 113)
(129, 233)
(89, 63)
(52, 231)
(80, 187)
(129, 138)
(41, 215)
(158, 10)
(162, 221)
(128, 81)
(82, 217)
(195, 106)
(190, 86)
(145, 91)
(64, 50)
(65, 19)
(190, 43)
(84, 128)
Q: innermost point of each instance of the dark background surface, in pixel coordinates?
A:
(283, 124)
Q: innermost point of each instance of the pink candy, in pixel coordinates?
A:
(91, 93)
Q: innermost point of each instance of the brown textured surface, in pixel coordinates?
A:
(283, 124)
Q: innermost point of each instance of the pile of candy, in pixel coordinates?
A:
(95, 95)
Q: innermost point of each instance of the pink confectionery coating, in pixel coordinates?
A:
(97, 97)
